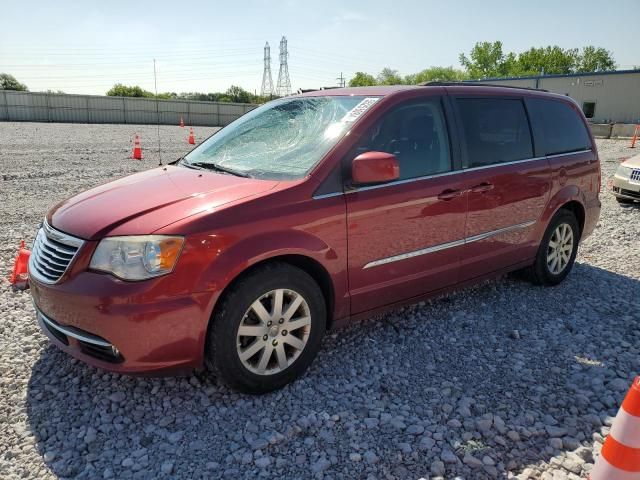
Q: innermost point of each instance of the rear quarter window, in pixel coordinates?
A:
(562, 128)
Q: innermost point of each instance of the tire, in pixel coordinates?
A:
(544, 272)
(267, 333)
(625, 201)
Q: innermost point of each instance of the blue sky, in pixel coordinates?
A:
(86, 47)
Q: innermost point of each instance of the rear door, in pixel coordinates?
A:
(405, 237)
(508, 183)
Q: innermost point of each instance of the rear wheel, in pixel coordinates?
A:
(268, 329)
(557, 252)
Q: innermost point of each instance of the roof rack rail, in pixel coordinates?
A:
(476, 84)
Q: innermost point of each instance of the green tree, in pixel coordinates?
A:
(233, 94)
(550, 60)
(593, 59)
(487, 60)
(120, 90)
(238, 94)
(9, 82)
(389, 77)
(362, 79)
(168, 95)
(434, 74)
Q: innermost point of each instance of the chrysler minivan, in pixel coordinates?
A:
(307, 213)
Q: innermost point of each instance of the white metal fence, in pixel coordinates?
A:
(59, 107)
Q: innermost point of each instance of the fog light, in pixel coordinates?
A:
(115, 351)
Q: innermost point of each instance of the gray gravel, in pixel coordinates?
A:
(503, 380)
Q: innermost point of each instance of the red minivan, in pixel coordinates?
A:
(308, 212)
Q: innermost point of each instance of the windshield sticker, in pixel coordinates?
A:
(359, 109)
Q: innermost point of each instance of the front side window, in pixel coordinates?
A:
(416, 134)
(283, 139)
(496, 130)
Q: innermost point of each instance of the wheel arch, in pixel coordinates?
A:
(307, 264)
(578, 211)
(569, 198)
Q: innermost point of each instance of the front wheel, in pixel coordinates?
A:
(557, 252)
(268, 329)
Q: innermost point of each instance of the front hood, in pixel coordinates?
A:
(144, 202)
(633, 162)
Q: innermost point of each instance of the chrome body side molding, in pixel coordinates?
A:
(444, 246)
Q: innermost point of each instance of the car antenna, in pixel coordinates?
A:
(155, 84)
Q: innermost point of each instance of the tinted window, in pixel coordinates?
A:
(496, 130)
(416, 134)
(562, 127)
(589, 109)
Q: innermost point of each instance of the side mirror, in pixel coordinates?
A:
(375, 167)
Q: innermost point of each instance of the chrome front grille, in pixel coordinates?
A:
(52, 253)
(635, 175)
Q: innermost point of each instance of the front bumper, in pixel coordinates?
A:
(626, 188)
(122, 326)
(86, 342)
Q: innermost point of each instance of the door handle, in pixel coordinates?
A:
(449, 194)
(483, 187)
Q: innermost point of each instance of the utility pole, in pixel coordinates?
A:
(155, 85)
(342, 82)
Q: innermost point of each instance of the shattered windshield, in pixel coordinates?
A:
(282, 139)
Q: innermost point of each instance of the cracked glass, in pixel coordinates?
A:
(283, 139)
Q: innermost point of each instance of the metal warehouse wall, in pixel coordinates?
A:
(55, 107)
(616, 94)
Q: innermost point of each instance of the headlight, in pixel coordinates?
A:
(624, 172)
(137, 257)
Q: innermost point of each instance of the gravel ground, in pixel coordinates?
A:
(502, 380)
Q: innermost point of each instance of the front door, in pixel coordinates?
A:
(508, 185)
(405, 237)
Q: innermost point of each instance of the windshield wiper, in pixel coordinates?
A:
(216, 167)
(183, 161)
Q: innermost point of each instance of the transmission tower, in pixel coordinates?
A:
(284, 83)
(267, 79)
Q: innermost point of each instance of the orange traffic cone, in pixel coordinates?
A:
(192, 139)
(19, 276)
(620, 455)
(181, 122)
(635, 136)
(137, 149)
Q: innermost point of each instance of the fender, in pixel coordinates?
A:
(235, 258)
(566, 194)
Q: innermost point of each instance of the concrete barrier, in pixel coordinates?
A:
(623, 130)
(601, 130)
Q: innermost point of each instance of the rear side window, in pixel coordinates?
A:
(496, 130)
(562, 127)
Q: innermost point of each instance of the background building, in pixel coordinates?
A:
(605, 97)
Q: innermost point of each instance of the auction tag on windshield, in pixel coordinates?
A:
(355, 113)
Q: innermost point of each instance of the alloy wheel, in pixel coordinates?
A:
(273, 332)
(560, 248)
